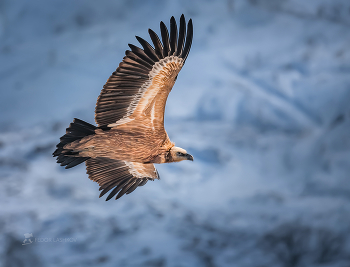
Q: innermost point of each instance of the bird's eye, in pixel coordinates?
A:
(179, 154)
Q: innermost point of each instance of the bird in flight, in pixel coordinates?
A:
(119, 153)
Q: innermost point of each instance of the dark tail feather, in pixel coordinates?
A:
(76, 130)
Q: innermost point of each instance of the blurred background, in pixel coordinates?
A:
(262, 104)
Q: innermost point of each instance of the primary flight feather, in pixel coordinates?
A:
(130, 137)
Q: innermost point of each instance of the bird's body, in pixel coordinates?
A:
(145, 147)
(130, 136)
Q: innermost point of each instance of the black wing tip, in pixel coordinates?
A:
(173, 36)
(109, 198)
(182, 19)
(190, 23)
(170, 40)
(125, 187)
(188, 43)
(158, 46)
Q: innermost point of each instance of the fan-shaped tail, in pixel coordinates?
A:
(76, 131)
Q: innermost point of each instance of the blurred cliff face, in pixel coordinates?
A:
(264, 110)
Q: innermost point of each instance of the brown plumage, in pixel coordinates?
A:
(130, 136)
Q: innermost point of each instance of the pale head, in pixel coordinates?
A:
(178, 154)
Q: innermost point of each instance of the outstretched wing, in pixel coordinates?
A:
(137, 91)
(121, 176)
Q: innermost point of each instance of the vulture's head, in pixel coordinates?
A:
(178, 154)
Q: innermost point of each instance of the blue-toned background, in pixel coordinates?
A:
(263, 104)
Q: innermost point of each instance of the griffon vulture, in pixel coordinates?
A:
(130, 137)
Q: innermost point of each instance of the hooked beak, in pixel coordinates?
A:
(189, 157)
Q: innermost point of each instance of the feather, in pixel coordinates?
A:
(158, 47)
(122, 85)
(132, 67)
(141, 54)
(108, 109)
(109, 169)
(130, 61)
(134, 186)
(173, 36)
(117, 189)
(125, 188)
(131, 55)
(76, 162)
(130, 76)
(114, 173)
(182, 33)
(60, 158)
(148, 49)
(165, 38)
(67, 160)
(111, 185)
(135, 73)
(188, 40)
(144, 181)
